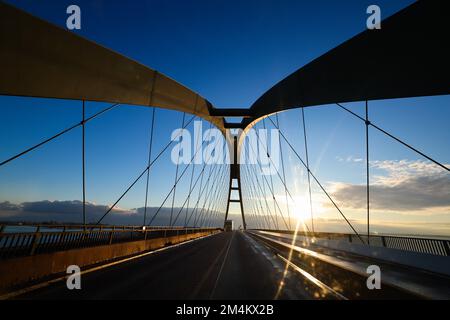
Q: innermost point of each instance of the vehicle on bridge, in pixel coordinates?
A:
(228, 226)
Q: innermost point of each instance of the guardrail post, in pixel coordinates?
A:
(447, 248)
(111, 235)
(37, 237)
(383, 241)
(62, 237)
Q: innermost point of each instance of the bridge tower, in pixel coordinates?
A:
(235, 176)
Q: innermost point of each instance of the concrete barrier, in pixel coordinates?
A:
(18, 272)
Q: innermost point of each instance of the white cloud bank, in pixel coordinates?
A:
(406, 186)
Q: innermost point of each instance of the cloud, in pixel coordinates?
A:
(8, 206)
(404, 186)
(70, 211)
(349, 159)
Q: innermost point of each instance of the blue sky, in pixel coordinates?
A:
(215, 48)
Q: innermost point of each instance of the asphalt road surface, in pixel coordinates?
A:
(224, 266)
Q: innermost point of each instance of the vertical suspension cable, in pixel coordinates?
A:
(217, 201)
(190, 189)
(308, 169)
(83, 126)
(395, 138)
(197, 207)
(213, 199)
(321, 187)
(254, 190)
(191, 163)
(199, 138)
(194, 210)
(367, 122)
(256, 213)
(200, 192)
(284, 173)
(254, 198)
(140, 176)
(219, 206)
(268, 185)
(209, 191)
(264, 192)
(176, 174)
(270, 169)
(256, 195)
(249, 209)
(148, 165)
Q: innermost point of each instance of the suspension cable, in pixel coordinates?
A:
(176, 182)
(201, 188)
(279, 176)
(395, 138)
(57, 135)
(367, 122)
(140, 176)
(148, 164)
(263, 194)
(307, 165)
(201, 192)
(320, 185)
(271, 190)
(212, 196)
(176, 177)
(251, 196)
(256, 194)
(284, 175)
(192, 187)
(270, 169)
(216, 197)
(263, 191)
(207, 194)
(83, 161)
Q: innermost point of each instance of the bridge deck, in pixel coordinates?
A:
(225, 266)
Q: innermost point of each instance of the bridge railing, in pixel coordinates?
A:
(439, 247)
(16, 244)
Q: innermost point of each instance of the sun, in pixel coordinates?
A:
(299, 208)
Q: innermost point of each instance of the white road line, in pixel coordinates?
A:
(221, 267)
(312, 279)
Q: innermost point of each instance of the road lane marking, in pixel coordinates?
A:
(221, 267)
(312, 279)
(206, 275)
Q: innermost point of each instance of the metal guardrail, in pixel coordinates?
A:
(439, 247)
(17, 244)
(348, 276)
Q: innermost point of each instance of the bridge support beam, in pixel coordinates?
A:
(235, 175)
